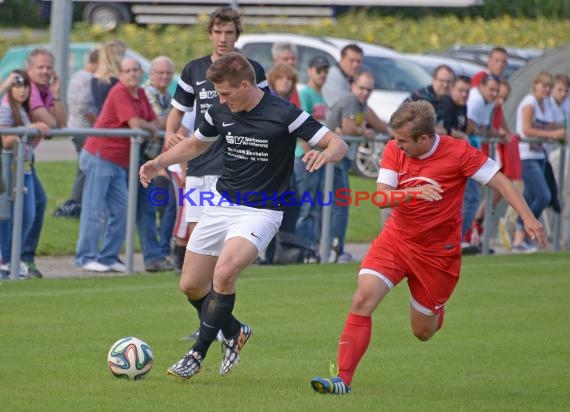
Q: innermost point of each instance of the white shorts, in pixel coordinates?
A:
(220, 223)
(193, 211)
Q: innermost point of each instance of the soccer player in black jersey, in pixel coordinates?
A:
(258, 133)
(195, 92)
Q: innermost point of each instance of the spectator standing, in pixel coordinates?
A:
(82, 114)
(347, 117)
(286, 53)
(155, 242)
(282, 80)
(480, 106)
(45, 107)
(454, 109)
(340, 77)
(15, 112)
(313, 102)
(442, 79)
(108, 71)
(105, 162)
(534, 119)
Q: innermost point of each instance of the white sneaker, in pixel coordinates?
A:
(118, 267)
(94, 266)
(22, 274)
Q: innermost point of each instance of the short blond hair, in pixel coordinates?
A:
(420, 115)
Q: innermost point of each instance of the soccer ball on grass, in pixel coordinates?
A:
(130, 358)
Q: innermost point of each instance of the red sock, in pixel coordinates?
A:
(353, 343)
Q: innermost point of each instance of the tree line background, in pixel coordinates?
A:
(35, 13)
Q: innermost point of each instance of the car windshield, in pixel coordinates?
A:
(396, 74)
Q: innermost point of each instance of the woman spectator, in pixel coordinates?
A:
(107, 74)
(15, 112)
(282, 80)
(534, 120)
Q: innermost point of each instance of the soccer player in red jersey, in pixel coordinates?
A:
(421, 241)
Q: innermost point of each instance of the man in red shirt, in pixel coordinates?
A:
(105, 162)
(421, 240)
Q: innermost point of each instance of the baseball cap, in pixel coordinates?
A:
(319, 62)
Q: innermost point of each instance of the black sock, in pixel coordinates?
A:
(216, 310)
(179, 253)
(230, 328)
(198, 304)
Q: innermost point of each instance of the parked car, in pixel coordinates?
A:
(478, 53)
(395, 77)
(430, 61)
(15, 58)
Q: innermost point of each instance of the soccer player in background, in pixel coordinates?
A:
(421, 240)
(258, 133)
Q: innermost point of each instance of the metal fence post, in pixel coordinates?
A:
(561, 197)
(327, 214)
(132, 202)
(488, 203)
(18, 210)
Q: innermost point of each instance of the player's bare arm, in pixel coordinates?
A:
(531, 225)
(173, 122)
(186, 150)
(430, 193)
(334, 149)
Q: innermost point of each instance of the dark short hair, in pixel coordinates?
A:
(225, 14)
(462, 78)
(352, 47)
(488, 78)
(440, 68)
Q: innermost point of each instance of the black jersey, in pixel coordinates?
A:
(259, 148)
(195, 90)
(454, 116)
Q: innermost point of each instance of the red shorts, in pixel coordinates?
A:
(431, 278)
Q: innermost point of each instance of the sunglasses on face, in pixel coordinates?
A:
(323, 70)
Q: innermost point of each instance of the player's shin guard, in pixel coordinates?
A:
(352, 345)
(232, 325)
(216, 310)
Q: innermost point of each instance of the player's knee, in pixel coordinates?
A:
(422, 333)
(362, 303)
(225, 276)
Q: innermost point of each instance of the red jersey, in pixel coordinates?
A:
(120, 106)
(433, 226)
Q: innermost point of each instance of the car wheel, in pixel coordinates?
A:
(108, 16)
(367, 160)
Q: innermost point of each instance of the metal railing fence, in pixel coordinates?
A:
(137, 136)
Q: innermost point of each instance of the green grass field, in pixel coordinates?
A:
(59, 236)
(504, 346)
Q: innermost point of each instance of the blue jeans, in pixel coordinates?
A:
(471, 201)
(28, 218)
(308, 221)
(30, 242)
(153, 248)
(105, 193)
(536, 191)
(339, 215)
